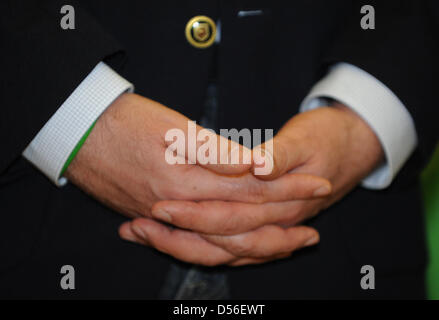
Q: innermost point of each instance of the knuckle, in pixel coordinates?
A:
(297, 214)
(143, 211)
(234, 222)
(174, 192)
(240, 219)
(229, 226)
(160, 190)
(229, 222)
(242, 247)
(256, 192)
(189, 218)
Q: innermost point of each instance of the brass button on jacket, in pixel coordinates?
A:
(201, 31)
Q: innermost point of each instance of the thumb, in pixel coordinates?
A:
(276, 157)
(234, 158)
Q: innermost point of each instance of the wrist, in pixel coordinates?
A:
(363, 144)
(96, 142)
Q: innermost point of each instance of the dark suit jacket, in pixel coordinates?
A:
(266, 65)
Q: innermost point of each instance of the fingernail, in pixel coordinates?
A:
(264, 163)
(139, 232)
(312, 241)
(128, 238)
(322, 191)
(162, 215)
(142, 234)
(259, 157)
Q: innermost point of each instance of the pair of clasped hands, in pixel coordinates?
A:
(219, 214)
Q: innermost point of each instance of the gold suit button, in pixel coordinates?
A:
(201, 31)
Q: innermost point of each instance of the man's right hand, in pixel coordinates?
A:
(122, 163)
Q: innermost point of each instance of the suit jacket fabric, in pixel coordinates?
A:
(265, 65)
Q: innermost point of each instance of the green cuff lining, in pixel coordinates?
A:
(76, 149)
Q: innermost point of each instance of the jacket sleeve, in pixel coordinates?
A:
(41, 64)
(400, 52)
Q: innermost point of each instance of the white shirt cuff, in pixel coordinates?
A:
(379, 107)
(53, 144)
